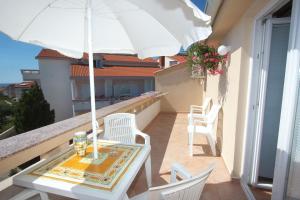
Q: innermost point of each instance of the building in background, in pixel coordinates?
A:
(31, 75)
(20, 88)
(169, 61)
(65, 81)
(15, 90)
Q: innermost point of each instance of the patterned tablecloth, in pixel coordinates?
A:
(104, 173)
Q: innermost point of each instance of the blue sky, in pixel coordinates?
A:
(17, 55)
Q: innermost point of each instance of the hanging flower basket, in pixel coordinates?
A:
(203, 59)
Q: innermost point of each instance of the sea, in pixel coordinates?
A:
(3, 85)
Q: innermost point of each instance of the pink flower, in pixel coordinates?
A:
(194, 58)
(211, 71)
(206, 54)
(220, 71)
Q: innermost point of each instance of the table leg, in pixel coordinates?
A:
(148, 171)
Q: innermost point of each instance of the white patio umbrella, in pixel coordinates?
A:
(147, 28)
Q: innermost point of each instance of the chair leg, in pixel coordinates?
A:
(189, 138)
(125, 197)
(212, 144)
(44, 196)
(191, 142)
(148, 171)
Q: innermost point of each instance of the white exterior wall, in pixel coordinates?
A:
(56, 86)
(230, 89)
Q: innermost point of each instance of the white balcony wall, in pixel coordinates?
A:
(56, 86)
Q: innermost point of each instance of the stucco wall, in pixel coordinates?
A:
(230, 89)
(181, 88)
(144, 118)
(56, 86)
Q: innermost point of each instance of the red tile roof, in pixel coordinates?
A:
(83, 71)
(25, 85)
(48, 53)
(180, 59)
(127, 58)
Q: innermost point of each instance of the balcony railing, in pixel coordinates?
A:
(51, 139)
(30, 71)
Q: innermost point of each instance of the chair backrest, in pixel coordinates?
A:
(120, 127)
(190, 189)
(213, 113)
(205, 104)
(211, 118)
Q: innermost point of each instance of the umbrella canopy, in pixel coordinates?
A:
(144, 27)
(147, 28)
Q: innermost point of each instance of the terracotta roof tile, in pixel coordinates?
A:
(115, 71)
(180, 59)
(48, 53)
(127, 58)
(25, 84)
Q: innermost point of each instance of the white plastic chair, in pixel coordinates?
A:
(188, 188)
(28, 193)
(204, 125)
(122, 127)
(202, 110)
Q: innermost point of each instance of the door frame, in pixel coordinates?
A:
(262, 94)
(289, 105)
(253, 103)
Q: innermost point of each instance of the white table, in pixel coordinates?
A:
(78, 191)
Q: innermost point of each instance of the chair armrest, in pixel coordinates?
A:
(196, 116)
(196, 111)
(180, 170)
(200, 121)
(144, 135)
(196, 107)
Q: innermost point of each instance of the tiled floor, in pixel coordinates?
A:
(169, 145)
(261, 193)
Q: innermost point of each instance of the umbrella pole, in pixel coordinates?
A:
(92, 82)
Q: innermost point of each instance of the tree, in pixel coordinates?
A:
(32, 111)
(5, 111)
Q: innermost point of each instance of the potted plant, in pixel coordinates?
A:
(204, 59)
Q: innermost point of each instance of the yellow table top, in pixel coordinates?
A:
(104, 173)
